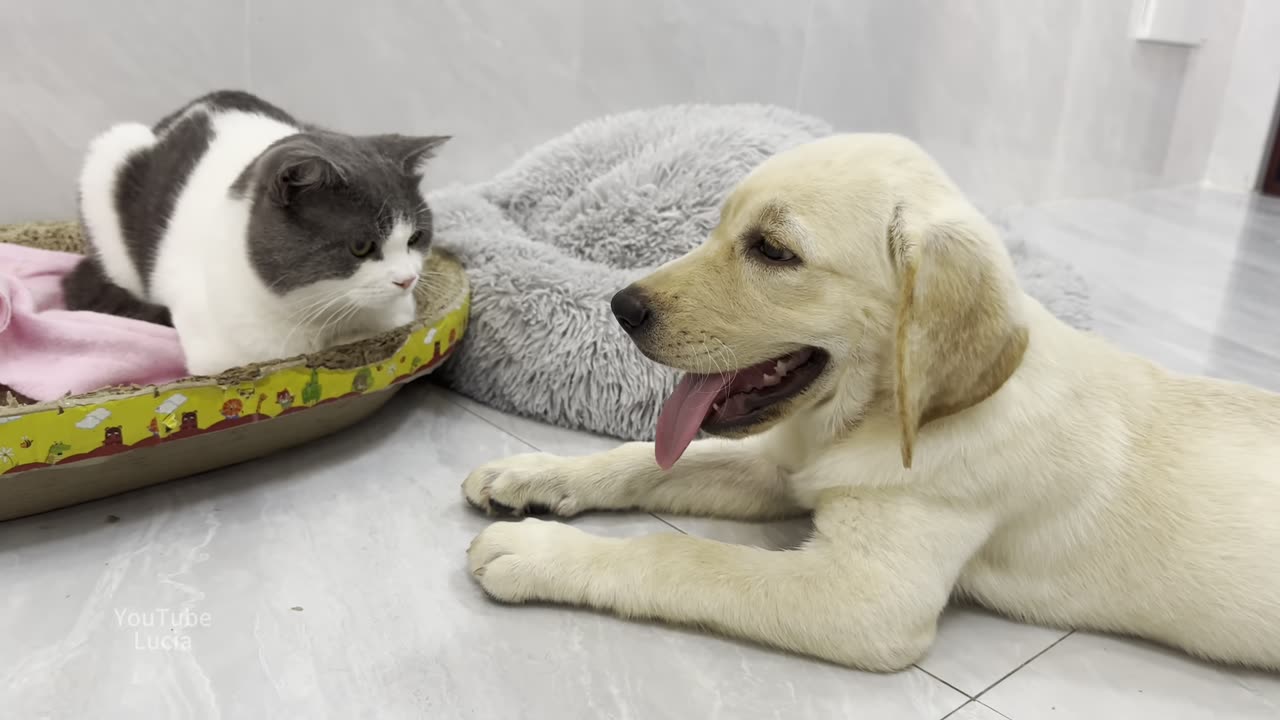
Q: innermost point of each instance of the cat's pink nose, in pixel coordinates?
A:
(405, 282)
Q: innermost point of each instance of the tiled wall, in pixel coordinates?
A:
(1021, 99)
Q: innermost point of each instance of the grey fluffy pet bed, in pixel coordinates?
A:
(547, 243)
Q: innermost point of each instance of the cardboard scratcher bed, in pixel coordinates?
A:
(84, 447)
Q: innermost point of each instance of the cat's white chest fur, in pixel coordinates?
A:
(222, 312)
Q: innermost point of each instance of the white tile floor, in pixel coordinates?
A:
(330, 581)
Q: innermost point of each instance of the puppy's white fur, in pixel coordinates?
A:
(962, 440)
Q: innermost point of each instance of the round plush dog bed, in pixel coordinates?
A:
(547, 242)
(84, 447)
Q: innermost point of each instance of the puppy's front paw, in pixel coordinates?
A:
(529, 560)
(532, 484)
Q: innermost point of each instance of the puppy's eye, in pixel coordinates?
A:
(772, 253)
(416, 238)
(361, 248)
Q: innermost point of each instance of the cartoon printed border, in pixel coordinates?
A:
(71, 434)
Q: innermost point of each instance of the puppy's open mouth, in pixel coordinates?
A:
(732, 400)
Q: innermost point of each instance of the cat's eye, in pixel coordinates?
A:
(361, 248)
(416, 238)
(772, 252)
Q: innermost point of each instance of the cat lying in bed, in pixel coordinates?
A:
(256, 236)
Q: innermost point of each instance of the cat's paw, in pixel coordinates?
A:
(533, 484)
(529, 560)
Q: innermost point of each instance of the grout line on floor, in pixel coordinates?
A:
(1028, 662)
(963, 705)
(668, 523)
(448, 396)
(993, 710)
(944, 682)
(453, 397)
(979, 704)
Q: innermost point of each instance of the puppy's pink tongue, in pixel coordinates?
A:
(683, 414)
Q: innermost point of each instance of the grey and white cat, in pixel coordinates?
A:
(257, 236)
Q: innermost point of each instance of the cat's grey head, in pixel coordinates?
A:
(339, 215)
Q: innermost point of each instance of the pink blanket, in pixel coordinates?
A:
(47, 351)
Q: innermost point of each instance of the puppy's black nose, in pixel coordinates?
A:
(631, 308)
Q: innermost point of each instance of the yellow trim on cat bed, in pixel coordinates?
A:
(89, 446)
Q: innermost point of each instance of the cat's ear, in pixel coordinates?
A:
(411, 152)
(296, 165)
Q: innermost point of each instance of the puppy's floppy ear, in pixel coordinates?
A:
(412, 153)
(959, 333)
(295, 165)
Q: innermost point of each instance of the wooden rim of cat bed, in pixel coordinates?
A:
(90, 446)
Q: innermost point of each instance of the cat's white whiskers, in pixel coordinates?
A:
(311, 310)
(337, 319)
(312, 303)
(311, 318)
(429, 289)
(351, 311)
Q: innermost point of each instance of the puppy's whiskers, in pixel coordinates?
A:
(730, 357)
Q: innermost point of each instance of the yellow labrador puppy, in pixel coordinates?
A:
(947, 433)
